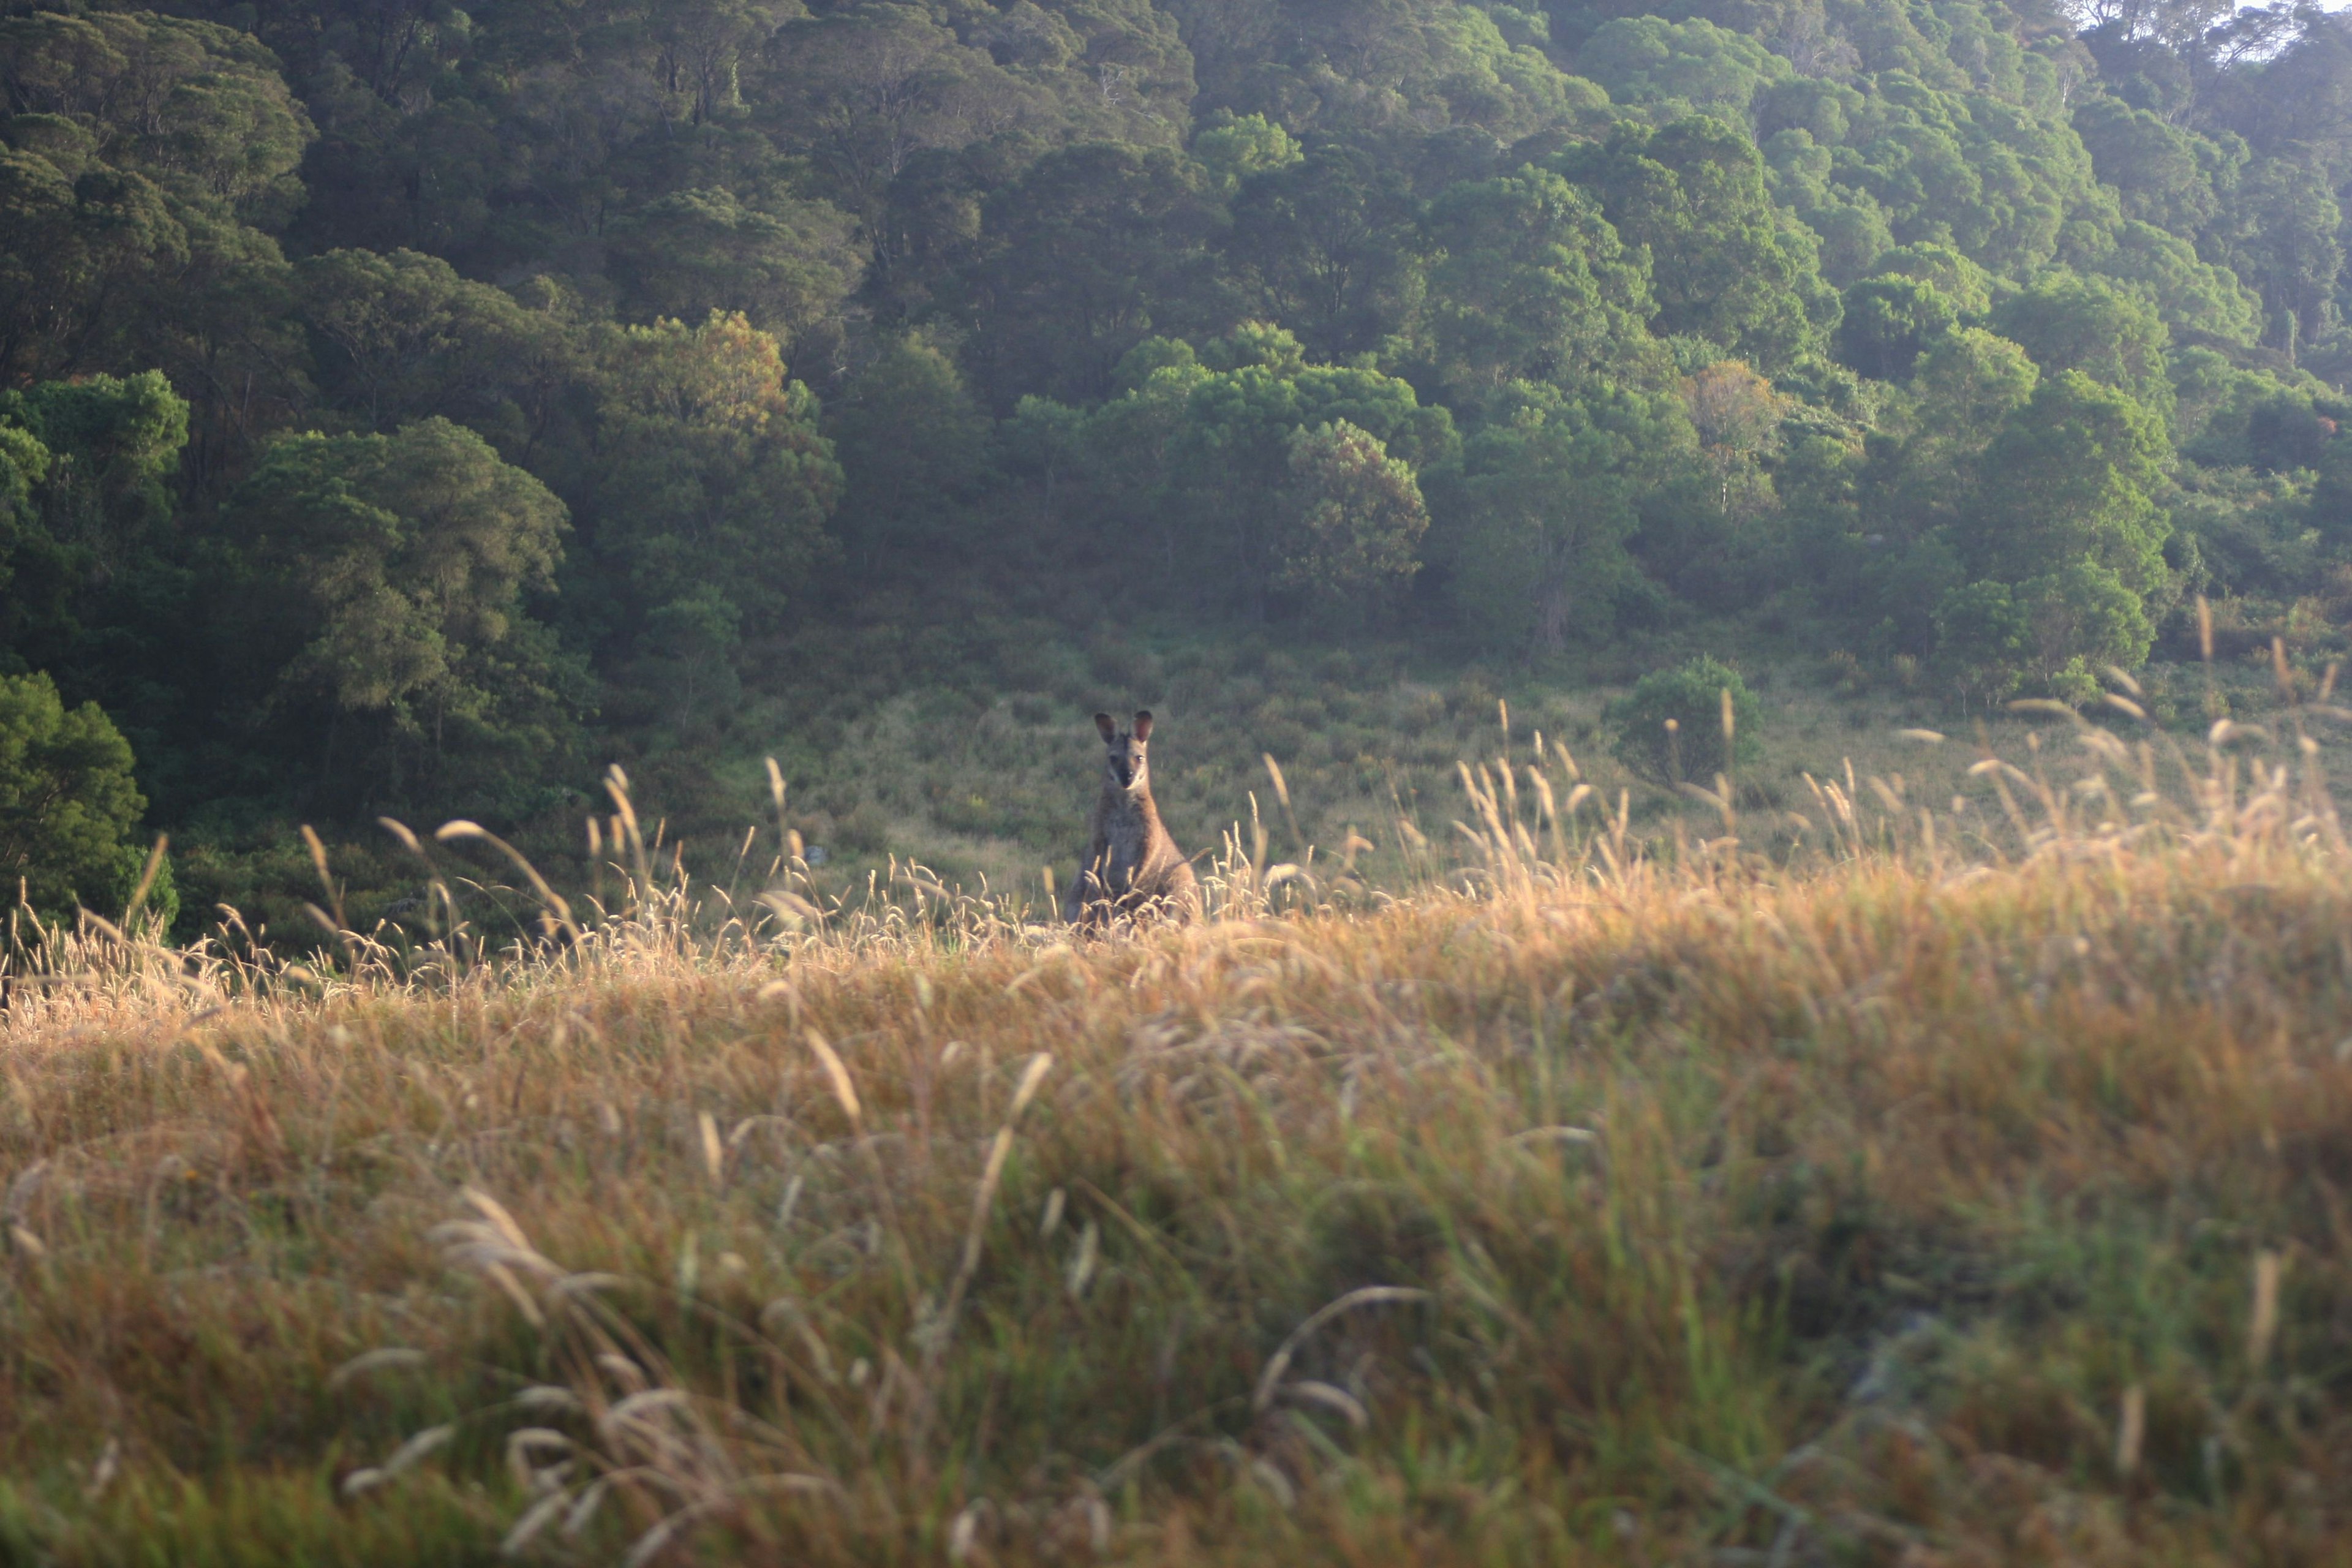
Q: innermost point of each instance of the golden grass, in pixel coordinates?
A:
(1970, 1189)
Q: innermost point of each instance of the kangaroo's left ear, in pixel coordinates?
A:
(1109, 730)
(1143, 726)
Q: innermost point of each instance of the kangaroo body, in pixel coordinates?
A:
(1132, 867)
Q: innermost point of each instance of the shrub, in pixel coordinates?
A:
(1692, 697)
(68, 809)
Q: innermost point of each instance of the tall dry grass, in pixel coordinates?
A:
(1964, 1187)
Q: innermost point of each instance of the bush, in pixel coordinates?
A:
(68, 809)
(1692, 697)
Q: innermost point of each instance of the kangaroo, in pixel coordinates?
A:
(1132, 867)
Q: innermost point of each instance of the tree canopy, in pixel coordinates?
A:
(399, 405)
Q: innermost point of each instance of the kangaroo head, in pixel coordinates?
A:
(1126, 765)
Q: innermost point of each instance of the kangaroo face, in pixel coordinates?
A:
(1125, 763)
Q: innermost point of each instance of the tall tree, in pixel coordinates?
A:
(710, 479)
(2073, 475)
(1533, 285)
(1354, 518)
(383, 642)
(1536, 543)
(1721, 265)
(1093, 249)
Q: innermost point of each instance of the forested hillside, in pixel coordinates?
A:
(410, 408)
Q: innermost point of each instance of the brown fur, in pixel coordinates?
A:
(1132, 867)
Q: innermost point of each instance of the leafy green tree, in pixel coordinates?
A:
(1355, 516)
(148, 160)
(1983, 639)
(693, 641)
(1205, 454)
(1958, 279)
(1690, 699)
(2088, 324)
(1888, 322)
(1722, 267)
(1692, 66)
(1093, 249)
(868, 89)
(2072, 476)
(1851, 228)
(1228, 454)
(1924, 469)
(2162, 175)
(202, 110)
(382, 621)
(400, 337)
(35, 574)
(710, 473)
(1533, 285)
(913, 448)
(114, 445)
(786, 265)
(2195, 300)
(69, 807)
(1969, 170)
(71, 245)
(1361, 71)
(1325, 245)
(87, 580)
(2082, 619)
(2291, 252)
(1234, 147)
(1537, 543)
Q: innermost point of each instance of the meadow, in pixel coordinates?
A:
(1958, 1178)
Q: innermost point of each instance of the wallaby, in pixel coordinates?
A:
(1132, 867)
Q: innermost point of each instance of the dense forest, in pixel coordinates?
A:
(408, 408)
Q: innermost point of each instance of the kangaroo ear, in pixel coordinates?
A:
(1143, 726)
(1109, 730)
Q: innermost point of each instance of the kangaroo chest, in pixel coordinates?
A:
(1126, 847)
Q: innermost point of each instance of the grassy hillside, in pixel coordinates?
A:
(1968, 1189)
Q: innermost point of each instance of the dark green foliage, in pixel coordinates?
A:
(1324, 244)
(1721, 265)
(1983, 635)
(1205, 456)
(1888, 323)
(1094, 250)
(2073, 475)
(843, 331)
(1353, 518)
(1671, 726)
(383, 644)
(2089, 325)
(1535, 285)
(913, 446)
(1548, 498)
(67, 806)
(710, 477)
(2290, 253)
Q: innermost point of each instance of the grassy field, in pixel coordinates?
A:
(1931, 1186)
(986, 784)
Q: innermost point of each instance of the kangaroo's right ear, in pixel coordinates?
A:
(1109, 730)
